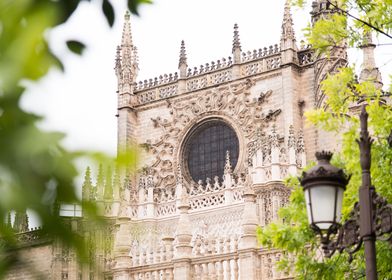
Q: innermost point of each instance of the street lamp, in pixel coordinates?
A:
(324, 185)
(371, 217)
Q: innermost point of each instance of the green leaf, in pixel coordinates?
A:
(75, 46)
(108, 11)
(133, 5)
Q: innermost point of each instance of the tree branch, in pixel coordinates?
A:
(360, 20)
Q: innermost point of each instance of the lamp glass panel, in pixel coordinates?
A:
(308, 206)
(339, 204)
(323, 205)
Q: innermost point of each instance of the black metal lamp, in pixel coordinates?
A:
(324, 185)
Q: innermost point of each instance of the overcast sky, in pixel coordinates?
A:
(82, 101)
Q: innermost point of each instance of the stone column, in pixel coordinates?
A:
(182, 258)
(248, 241)
(150, 197)
(122, 247)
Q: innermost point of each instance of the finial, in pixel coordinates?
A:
(183, 59)
(236, 39)
(324, 156)
(227, 169)
(127, 15)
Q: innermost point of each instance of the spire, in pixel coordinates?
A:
(100, 183)
(87, 185)
(116, 184)
(126, 58)
(369, 70)
(287, 24)
(183, 60)
(108, 193)
(288, 46)
(227, 169)
(127, 34)
(236, 45)
(21, 222)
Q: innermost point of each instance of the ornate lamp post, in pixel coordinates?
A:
(371, 217)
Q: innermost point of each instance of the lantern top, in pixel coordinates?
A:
(324, 172)
(324, 155)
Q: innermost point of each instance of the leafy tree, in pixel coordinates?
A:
(302, 250)
(35, 169)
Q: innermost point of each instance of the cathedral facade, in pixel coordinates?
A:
(216, 143)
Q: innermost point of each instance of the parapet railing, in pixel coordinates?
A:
(209, 74)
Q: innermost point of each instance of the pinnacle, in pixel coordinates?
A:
(228, 169)
(183, 59)
(236, 39)
(369, 71)
(127, 15)
(287, 24)
(127, 34)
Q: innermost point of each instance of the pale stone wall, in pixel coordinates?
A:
(35, 263)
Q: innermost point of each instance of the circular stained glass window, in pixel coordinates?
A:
(206, 150)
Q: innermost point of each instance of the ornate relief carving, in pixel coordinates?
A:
(230, 101)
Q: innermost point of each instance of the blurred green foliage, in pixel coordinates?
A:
(36, 171)
(292, 234)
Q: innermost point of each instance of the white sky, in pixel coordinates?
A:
(82, 101)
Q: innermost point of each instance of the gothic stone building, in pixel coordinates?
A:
(217, 142)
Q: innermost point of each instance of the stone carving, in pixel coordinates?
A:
(230, 101)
